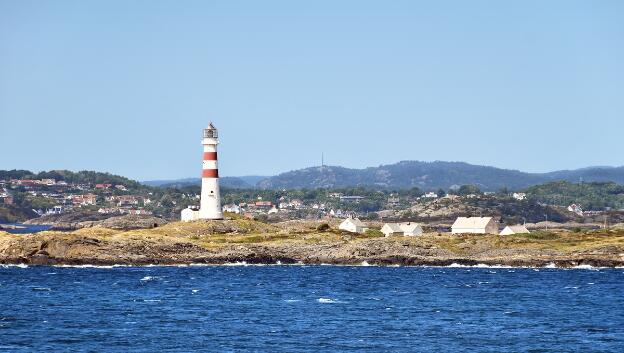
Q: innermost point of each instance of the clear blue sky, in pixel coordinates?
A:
(127, 86)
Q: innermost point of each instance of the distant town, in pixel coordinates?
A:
(83, 194)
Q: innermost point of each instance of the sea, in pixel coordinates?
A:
(25, 228)
(298, 308)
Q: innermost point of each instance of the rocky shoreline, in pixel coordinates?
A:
(67, 249)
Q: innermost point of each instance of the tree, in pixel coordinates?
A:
(468, 189)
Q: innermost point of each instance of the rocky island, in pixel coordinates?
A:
(246, 241)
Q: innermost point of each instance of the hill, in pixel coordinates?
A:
(244, 182)
(432, 176)
(590, 196)
(83, 176)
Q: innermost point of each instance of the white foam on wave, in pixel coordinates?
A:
(578, 267)
(42, 289)
(327, 300)
(195, 291)
(292, 300)
(456, 265)
(241, 263)
(148, 278)
(14, 266)
(91, 266)
(587, 267)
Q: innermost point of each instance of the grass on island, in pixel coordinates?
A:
(555, 241)
(216, 234)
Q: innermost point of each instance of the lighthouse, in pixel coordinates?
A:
(210, 197)
(210, 206)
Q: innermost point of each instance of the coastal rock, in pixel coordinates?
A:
(126, 222)
(253, 242)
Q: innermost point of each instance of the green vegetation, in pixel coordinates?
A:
(323, 227)
(81, 177)
(373, 233)
(590, 196)
(374, 200)
(467, 190)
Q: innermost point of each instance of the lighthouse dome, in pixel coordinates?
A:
(210, 131)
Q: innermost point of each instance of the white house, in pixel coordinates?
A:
(391, 229)
(430, 195)
(576, 209)
(189, 214)
(352, 225)
(517, 229)
(519, 196)
(406, 228)
(232, 208)
(474, 225)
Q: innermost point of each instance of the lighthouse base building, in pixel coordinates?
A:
(210, 203)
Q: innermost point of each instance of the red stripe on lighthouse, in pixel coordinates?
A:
(210, 156)
(210, 173)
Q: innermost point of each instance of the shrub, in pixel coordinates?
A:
(323, 227)
(373, 233)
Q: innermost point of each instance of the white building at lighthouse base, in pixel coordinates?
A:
(189, 214)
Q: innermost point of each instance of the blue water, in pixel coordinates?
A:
(310, 309)
(27, 228)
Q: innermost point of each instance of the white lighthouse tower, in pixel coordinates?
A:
(210, 206)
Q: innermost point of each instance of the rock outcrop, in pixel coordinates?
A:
(230, 241)
(78, 220)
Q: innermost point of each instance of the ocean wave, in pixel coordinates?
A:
(578, 267)
(42, 289)
(587, 267)
(91, 266)
(327, 300)
(453, 265)
(16, 265)
(364, 263)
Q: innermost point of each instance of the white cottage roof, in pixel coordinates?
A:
(394, 227)
(518, 229)
(409, 226)
(472, 222)
(355, 221)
